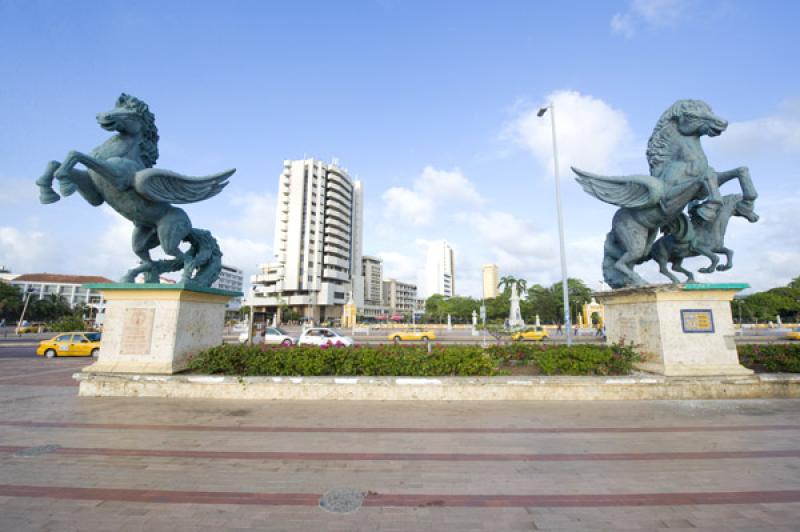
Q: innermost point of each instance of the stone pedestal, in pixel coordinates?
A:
(154, 328)
(682, 330)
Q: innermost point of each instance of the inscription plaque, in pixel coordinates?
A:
(137, 331)
(697, 320)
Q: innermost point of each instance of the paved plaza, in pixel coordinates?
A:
(71, 463)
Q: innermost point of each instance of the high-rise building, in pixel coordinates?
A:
(490, 280)
(318, 242)
(440, 274)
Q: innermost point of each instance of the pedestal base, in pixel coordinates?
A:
(682, 330)
(155, 328)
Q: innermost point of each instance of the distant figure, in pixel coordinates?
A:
(559, 331)
(599, 331)
(3, 326)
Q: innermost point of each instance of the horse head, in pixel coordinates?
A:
(687, 118)
(131, 116)
(695, 118)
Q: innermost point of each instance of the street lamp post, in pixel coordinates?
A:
(28, 295)
(564, 284)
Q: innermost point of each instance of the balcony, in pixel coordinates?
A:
(328, 273)
(336, 231)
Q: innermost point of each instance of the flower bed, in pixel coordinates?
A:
(414, 361)
(781, 358)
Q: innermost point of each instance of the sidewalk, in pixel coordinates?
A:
(70, 463)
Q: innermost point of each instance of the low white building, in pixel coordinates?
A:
(68, 287)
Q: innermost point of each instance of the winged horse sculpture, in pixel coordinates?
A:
(120, 173)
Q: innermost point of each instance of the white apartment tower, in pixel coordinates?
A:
(440, 275)
(490, 281)
(317, 243)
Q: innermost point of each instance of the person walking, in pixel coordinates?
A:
(3, 326)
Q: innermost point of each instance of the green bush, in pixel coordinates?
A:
(68, 324)
(412, 361)
(778, 358)
(569, 360)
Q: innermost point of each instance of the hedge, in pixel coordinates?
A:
(773, 358)
(413, 361)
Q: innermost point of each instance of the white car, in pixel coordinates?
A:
(322, 336)
(271, 336)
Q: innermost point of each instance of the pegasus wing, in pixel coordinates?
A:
(157, 184)
(632, 191)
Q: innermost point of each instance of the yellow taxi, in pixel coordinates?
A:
(794, 334)
(537, 334)
(72, 344)
(412, 336)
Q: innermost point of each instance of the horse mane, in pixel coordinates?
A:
(660, 143)
(148, 146)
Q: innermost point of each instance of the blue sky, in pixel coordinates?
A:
(429, 103)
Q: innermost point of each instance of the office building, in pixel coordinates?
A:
(440, 274)
(399, 297)
(372, 268)
(231, 278)
(490, 280)
(317, 243)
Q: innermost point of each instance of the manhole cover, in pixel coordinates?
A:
(38, 450)
(341, 501)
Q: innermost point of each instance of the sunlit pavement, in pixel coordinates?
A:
(70, 463)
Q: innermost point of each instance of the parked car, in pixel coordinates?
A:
(72, 344)
(537, 334)
(35, 327)
(271, 336)
(794, 334)
(323, 336)
(412, 336)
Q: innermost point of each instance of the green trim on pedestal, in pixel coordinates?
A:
(163, 286)
(715, 286)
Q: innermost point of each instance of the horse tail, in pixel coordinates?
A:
(203, 259)
(611, 253)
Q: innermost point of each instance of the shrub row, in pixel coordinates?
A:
(773, 358)
(412, 361)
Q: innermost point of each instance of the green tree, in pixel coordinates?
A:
(10, 302)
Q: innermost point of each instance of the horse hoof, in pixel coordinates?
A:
(47, 196)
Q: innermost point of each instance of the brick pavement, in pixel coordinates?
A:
(70, 463)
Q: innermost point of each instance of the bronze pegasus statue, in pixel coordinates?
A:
(679, 176)
(120, 173)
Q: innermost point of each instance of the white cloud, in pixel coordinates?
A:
(400, 266)
(591, 134)
(253, 216)
(431, 190)
(25, 251)
(778, 133)
(652, 13)
(622, 24)
(407, 205)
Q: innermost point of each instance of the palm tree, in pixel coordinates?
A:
(506, 282)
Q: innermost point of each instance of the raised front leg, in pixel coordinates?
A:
(745, 181)
(117, 171)
(45, 184)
